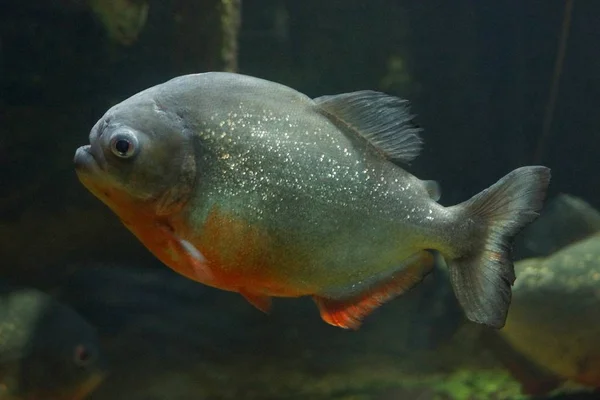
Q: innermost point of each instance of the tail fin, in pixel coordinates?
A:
(482, 278)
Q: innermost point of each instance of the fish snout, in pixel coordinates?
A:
(87, 160)
(83, 157)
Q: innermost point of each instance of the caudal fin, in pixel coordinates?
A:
(482, 278)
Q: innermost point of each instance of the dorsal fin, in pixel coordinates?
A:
(383, 120)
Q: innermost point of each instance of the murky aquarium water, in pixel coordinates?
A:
(298, 200)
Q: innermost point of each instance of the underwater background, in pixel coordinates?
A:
(494, 85)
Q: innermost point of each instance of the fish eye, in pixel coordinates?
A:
(82, 356)
(124, 145)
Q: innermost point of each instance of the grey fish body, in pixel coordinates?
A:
(312, 190)
(274, 161)
(293, 196)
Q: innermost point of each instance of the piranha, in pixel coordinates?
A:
(47, 350)
(553, 327)
(250, 186)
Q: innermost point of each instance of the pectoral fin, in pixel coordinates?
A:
(189, 253)
(197, 261)
(349, 312)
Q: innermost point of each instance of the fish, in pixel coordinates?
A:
(47, 350)
(553, 325)
(249, 186)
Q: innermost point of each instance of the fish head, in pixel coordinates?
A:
(62, 358)
(78, 363)
(140, 160)
(77, 371)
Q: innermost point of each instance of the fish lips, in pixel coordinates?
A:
(86, 162)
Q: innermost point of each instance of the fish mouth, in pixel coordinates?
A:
(84, 160)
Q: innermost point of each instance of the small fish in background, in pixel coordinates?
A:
(250, 186)
(47, 350)
(123, 20)
(552, 333)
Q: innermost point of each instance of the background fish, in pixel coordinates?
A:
(250, 186)
(553, 327)
(47, 351)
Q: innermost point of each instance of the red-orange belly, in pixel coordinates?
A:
(238, 255)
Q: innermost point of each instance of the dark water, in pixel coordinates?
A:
(479, 76)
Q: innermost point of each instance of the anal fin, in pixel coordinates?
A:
(260, 301)
(349, 312)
